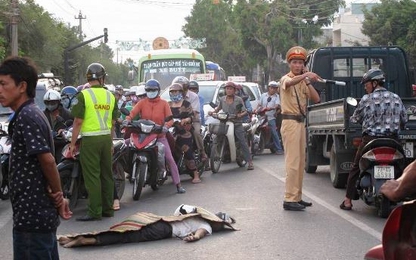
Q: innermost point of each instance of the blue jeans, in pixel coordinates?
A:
(35, 246)
(275, 135)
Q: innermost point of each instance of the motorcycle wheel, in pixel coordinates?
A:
(66, 182)
(383, 207)
(261, 144)
(217, 152)
(141, 169)
(119, 179)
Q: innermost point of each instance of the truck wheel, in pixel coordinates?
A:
(338, 179)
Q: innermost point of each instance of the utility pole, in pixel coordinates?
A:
(80, 18)
(13, 23)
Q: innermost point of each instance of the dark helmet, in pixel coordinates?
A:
(95, 71)
(152, 84)
(69, 91)
(373, 74)
(184, 81)
(193, 85)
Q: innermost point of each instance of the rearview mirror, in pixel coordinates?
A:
(351, 101)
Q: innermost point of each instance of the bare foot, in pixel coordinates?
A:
(196, 180)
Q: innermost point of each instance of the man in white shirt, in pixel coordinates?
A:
(270, 102)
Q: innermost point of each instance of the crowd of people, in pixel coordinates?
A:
(93, 112)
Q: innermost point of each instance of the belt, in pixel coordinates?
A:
(299, 118)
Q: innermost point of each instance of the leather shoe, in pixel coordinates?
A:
(87, 218)
(295, 206)
(305, 203)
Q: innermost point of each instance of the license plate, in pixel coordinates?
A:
(408, 150)
(383, 172)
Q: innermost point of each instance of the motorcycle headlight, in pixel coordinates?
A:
(146, 128)
(222, 116)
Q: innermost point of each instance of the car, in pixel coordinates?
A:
(211, 91)
(5, 112)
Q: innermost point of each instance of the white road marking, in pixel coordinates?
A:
(361, 225)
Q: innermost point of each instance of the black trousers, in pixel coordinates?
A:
(155, 231)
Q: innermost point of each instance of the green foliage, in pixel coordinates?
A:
(392, 22)
(241, 34)
(44, 39)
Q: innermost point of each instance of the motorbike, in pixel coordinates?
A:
(5, 146)
(179, 155)
(398, 240)
(144, 149)
(263, 135)
(382, 159)
(70, 170)
(223, 142)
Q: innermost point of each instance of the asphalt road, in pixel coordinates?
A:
(254, 198)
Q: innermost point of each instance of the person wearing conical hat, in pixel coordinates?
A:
(295, 91)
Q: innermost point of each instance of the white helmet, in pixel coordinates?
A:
(51, 95)
(184, 209)
(140, 90)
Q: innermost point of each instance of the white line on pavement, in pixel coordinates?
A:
(361, 225)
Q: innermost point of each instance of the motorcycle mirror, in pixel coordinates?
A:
(124, 111)
(69, 122)
(351, 101)
(213, 105)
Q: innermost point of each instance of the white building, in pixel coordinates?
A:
(347, 26)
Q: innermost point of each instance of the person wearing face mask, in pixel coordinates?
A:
(182, 110)
(52, 100)
(156, 109)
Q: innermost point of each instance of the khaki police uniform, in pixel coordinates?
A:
(293, 130)
(97, 107)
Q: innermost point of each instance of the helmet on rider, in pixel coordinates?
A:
(184, 81)
(67, 93)
(374, 75)
(52, 98)
(274, 84)
(141, 91)
(96, 71)
(152, 88)
(230, 84)
(194, 86)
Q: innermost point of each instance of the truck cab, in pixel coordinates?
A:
(331, 139)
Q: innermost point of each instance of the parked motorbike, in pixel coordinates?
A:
(179, 155)
(70, 171)
(398, 241)
(223, 142)
(5, 146)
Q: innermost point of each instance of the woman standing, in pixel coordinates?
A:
(182, 109)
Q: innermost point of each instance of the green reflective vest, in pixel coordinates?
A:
(99, 106)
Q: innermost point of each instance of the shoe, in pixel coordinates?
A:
(107, 215)
(87, 218)
(343, 207)
(304, 203)
(181, 190)
(293, 206)
(279, 153)
(250, 167)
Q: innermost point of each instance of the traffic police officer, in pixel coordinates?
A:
(295, 91)
(95, 114)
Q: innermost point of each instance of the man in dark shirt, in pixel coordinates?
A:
(35, 188)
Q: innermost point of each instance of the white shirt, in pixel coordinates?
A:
(194, 100)
(274, 101)
(189, 225)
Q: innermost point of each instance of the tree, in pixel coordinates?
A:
(392, 22)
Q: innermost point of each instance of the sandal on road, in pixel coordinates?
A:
(344, 207)
(250, 167)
